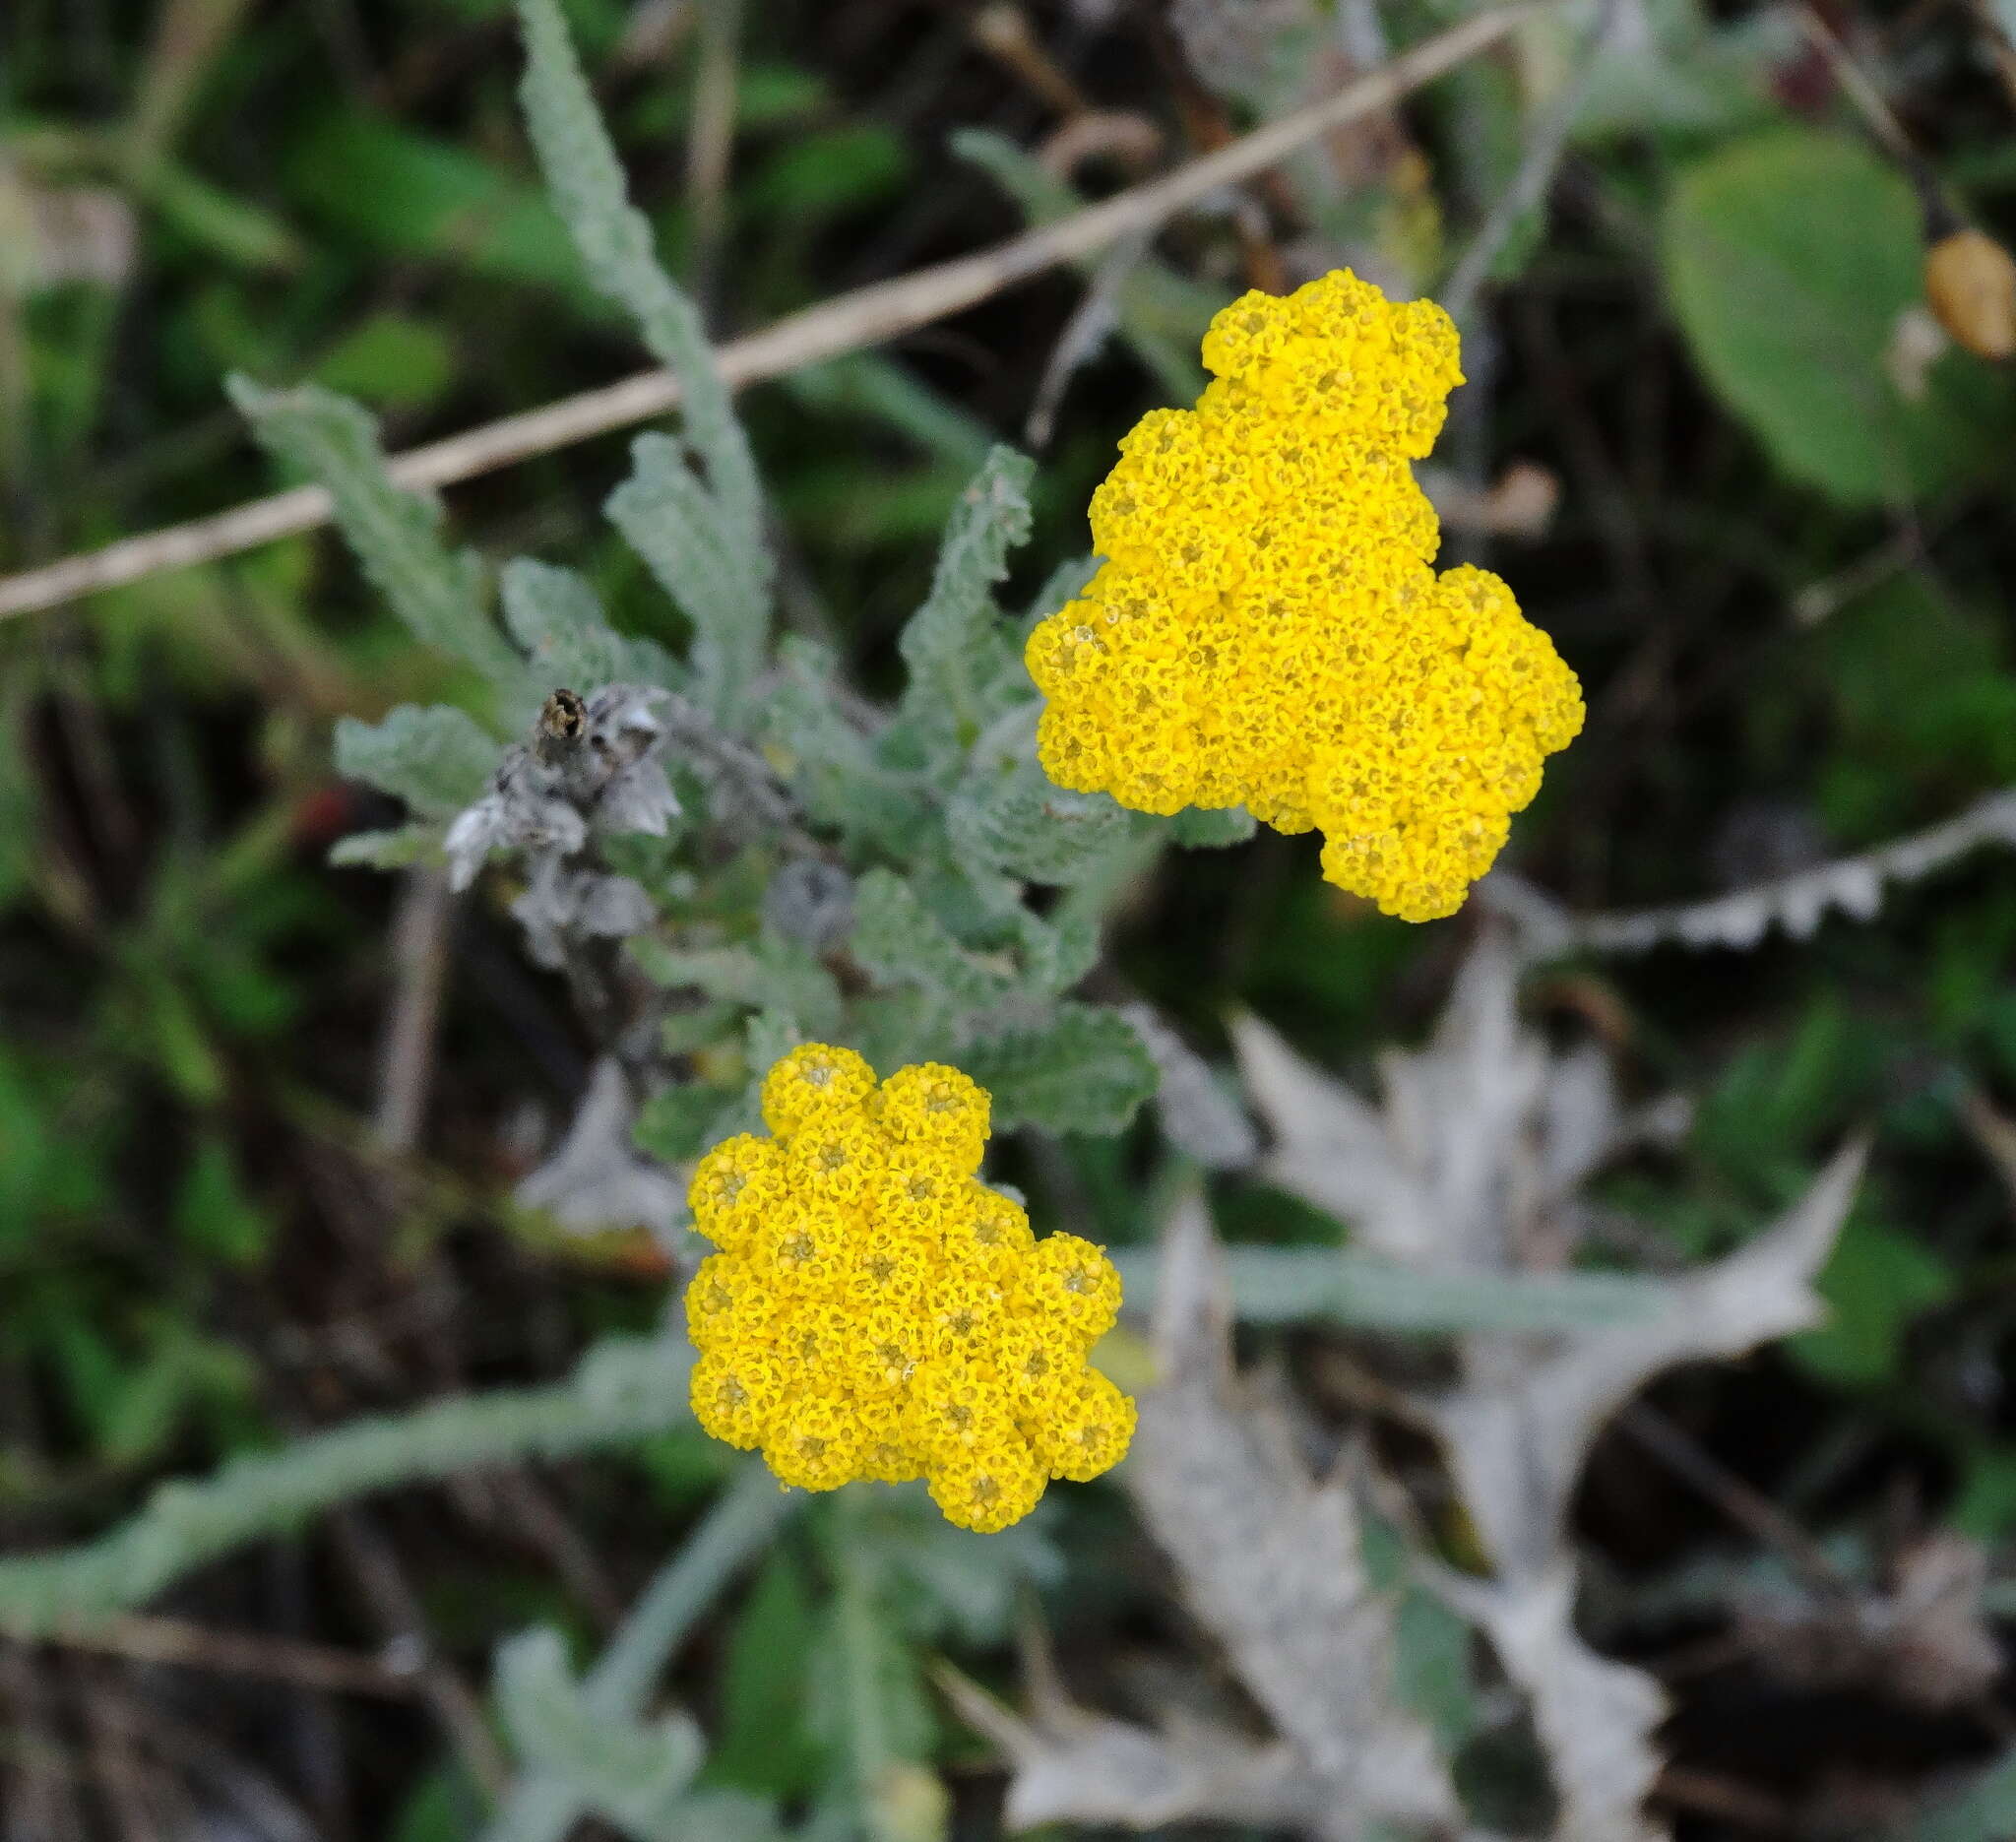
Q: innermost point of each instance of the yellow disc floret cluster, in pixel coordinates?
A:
(1267, 629)
(877, 1312)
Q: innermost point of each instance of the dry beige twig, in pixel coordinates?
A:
(869, 316)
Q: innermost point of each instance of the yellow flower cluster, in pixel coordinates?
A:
(1267, 629)
(877, 1312)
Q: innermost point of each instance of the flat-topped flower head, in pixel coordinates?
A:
(876, 1311)
(1267, 629)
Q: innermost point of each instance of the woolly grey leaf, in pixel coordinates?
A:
(595, 1182)
(901, 942)
(1797, 903)
(1198, 1116)
(1199, 827)
(638, 798)
(1270, 1561)
(1518, 1433)
(387, 851)
(810, 902)
(437, 759)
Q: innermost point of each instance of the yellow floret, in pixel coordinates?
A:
(931, 1106)
(815, 1081)
(878, 1311)
(732, 1187)
(989, 1488)
(1268, 630)
(1072, 1283)
(1086, 1429)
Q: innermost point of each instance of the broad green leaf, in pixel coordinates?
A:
(410, 195)
(764, 1743)
(557, 619)
(437, 759)
(1085, 1071)
(211, 1213)
(392, 361)
(396, 533)
(1790, 257)
(681, 1122)
(1877, 1281)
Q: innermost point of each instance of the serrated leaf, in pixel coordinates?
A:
(713, 574)
(776, 974)
(1087, 1071)
(901, 942)
(1020, 824)
(396, 535)
(439, 759)
(557, 619)
(830, 764)
(588, 188)
(1790, 257)
(956, 647)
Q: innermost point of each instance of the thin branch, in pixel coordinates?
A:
(185, 1644)
(1797, 903)
(869, 316)
(1549, 137)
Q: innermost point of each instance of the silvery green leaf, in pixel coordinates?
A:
(439, 593)
(831, 764)
(1201, 827)
(555, 616)
(1018, 823)
(709, 569)
(957, 648)
(1085, 1071)
(901, 942)
(1064, 584)
(614, 239)
(1058, 951)
(387, 851)
(773, 974)
(627, 1771)
(944, 1579)
(681, 1122)
(439, 759)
